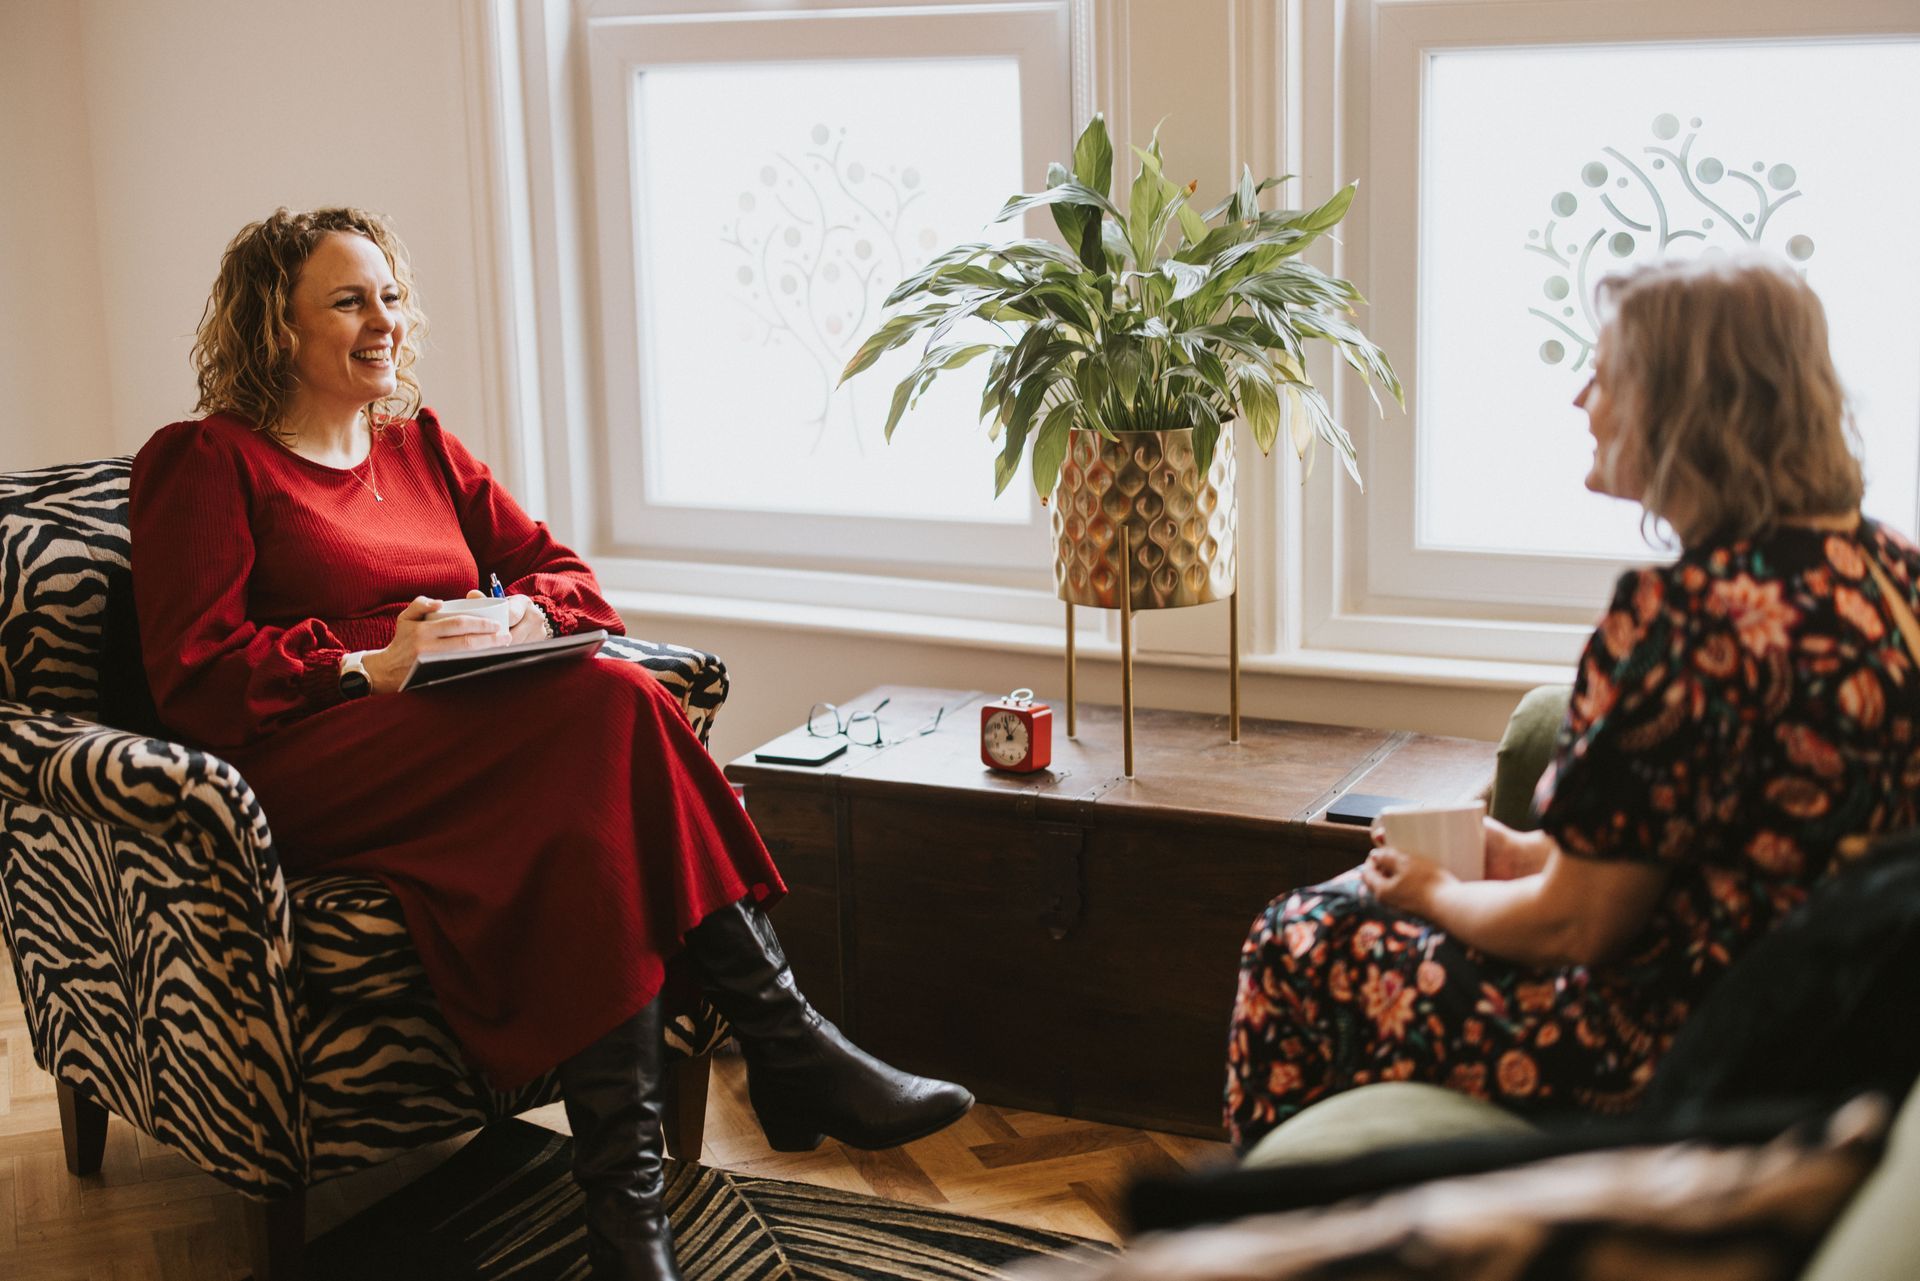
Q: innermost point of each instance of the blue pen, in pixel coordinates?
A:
(498, 590)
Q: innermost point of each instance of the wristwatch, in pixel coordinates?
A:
(353, 675)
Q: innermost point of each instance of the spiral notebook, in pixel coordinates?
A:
(439, 669)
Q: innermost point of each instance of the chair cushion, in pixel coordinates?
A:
(1736, 1211)
(1374, 1117)
(1874, 1239)
(352, 940)
(1524, 751)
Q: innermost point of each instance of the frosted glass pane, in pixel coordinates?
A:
(1544, 169)
(780, 204)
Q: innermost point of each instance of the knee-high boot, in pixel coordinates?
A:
(805, 1079)
(612, 1094)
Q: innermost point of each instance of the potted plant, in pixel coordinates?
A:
(1112, 334)
(1126, 364)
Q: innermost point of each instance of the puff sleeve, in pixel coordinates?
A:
(218, 678)
(1637, 771)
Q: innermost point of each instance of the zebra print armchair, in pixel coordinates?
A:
(278, 1032)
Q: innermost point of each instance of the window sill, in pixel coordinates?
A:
(1399, 669)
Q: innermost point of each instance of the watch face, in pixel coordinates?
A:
(1006, 739)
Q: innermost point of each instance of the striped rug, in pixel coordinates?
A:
(505, 1207)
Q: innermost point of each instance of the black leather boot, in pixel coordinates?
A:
(612, 1094)
(806, 1080)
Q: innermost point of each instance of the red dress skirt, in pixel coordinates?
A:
(551, 833)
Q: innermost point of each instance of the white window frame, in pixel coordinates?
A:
(561, 72)
(1365, 72)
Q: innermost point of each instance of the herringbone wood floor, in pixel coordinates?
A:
(150, 1215)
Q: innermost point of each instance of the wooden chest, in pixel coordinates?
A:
(1066, 941)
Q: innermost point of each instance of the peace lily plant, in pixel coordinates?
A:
(1112, 334)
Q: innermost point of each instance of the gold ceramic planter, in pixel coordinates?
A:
(1179, 525)
(1143, 494)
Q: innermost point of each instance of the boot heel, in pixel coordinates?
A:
(791, 1138)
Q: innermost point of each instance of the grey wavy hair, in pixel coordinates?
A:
(1720, 375)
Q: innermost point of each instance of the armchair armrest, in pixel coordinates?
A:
(151, 933)
(697, 677)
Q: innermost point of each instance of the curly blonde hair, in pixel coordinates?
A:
(243, 354)
(1726, 389)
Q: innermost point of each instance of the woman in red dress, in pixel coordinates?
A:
(555, 835)
(1736, 713)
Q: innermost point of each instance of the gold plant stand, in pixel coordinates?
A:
(1139, 503)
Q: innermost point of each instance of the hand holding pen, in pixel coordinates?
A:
(525, 621)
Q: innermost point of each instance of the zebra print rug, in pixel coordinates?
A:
(504, 1208)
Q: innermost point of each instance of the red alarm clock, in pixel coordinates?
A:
(1016, 734)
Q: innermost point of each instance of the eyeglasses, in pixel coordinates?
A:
(825, 720)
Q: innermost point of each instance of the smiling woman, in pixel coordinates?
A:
(555, 836)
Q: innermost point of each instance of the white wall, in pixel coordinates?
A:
(54, 368)
(136, 138)
(169, 126)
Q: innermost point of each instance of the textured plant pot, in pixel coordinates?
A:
(1180, 525)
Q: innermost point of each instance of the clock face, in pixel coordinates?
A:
(1006, 739)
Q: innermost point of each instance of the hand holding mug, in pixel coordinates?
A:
(525, 622)
(422, 628)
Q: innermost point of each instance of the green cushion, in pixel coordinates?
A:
(1524, 751)
(1380, 1116)
(1875, 1238)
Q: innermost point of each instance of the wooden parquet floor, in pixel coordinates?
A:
(150, 1215)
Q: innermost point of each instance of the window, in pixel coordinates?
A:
(1517, 154)
(761, 182)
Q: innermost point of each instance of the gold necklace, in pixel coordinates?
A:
(373, 488)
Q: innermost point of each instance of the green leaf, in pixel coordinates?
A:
(1071, 218)
(891, 334)
(1192, 225)
(1093, 156)
(1067, 192)
(1259, 402)
(1128, 364)
(1329, 214)
(1114, 241)
(1206, 438)
(1143, 211)
(1050, 446)
(1186, 277)
(1091, 379)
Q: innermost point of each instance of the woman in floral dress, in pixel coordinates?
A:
(1735, 714)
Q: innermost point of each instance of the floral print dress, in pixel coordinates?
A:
(1734, 716)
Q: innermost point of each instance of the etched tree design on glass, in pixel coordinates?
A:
(1642, 210)
(821, 237)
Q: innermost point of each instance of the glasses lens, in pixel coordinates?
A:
(823, 720)
(864, 728)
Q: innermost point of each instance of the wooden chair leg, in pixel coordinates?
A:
(83, 1127)
(277, 1236)
(685, 1124)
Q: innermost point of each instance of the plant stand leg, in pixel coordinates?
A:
(83, 1128)
(1233, 666)
(1126, 648)
(1070, 725)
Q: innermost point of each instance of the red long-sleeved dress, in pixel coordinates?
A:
(551, 832)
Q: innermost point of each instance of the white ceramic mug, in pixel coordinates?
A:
(492, 607)
(1454, 836)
